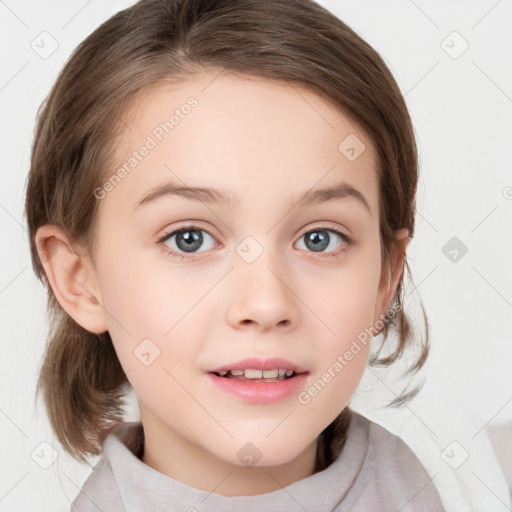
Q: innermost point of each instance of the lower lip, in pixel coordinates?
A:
(260, 392)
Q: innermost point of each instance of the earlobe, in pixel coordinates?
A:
(69, 275)
(392, 274)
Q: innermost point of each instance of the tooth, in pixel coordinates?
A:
(289, 373)
(282, 371)
(253, 374)
(237, 372)
(270, 374)
(223, 372)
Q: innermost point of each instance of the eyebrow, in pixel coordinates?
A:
(335, 192)
(212, 195)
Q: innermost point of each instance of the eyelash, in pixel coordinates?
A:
(348, 242)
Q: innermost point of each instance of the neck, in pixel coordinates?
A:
(169, 453)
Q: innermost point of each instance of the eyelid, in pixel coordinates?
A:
(326, 225)
(191, 224)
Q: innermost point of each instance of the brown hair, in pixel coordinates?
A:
(293, 41)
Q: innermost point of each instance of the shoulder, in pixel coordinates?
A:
(393, 475)
(388, 448)
(100, 491)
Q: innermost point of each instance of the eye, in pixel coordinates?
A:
(188, 239)
(184, 242)
(319, 239)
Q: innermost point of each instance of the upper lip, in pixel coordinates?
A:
(257, 363)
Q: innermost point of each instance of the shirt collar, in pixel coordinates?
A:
(143, 488)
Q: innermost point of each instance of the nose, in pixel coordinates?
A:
(262, 297)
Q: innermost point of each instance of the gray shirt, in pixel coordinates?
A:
(375, 471)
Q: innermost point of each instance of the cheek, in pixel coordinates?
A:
(346, 301)
(341, 355)
(346, 305)
(151, 323)
(147, 299)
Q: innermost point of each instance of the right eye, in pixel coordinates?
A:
(188, 240)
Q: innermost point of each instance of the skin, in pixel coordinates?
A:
(266, 142)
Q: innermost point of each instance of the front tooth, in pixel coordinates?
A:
(237, 372)
(253, 374)
(289, 373)
(270, 374)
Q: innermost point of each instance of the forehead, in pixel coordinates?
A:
(246, 135)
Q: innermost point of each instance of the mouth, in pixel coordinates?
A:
(254, 375)
(253, 369)
(257, 386)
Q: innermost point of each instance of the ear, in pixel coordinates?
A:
(72, 279)
(390, 276)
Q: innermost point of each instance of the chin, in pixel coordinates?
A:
(265, 452)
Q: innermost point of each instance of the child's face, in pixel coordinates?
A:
(255, 286)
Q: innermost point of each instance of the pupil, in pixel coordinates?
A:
(190, 240)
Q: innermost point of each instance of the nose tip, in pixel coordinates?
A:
(261, 294)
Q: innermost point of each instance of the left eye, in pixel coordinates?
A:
(318, 239)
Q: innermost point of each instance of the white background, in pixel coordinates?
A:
(462, 111)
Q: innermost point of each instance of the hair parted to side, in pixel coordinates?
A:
(156, 41)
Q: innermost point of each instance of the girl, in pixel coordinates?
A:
(220, 199)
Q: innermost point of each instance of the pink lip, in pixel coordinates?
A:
(256, 363)
(260, 392)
